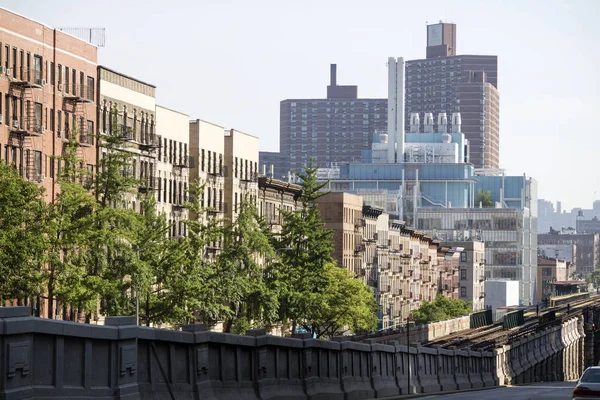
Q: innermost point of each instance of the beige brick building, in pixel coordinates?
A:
(47, 97)
(401, 265)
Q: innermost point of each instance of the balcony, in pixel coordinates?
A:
(27, 78)
(482, 278)
(150, 143)
(182, 163)
(79, 94)
(27, 129)
(86, 140)
(146, 185)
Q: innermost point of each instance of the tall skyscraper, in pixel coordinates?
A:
(468, 84)
(331, 130)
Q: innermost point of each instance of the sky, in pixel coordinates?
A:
(232, 61)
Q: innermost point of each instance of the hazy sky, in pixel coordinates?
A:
(232, 61)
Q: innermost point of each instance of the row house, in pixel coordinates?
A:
(274, 197)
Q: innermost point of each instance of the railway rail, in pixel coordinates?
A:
(490, 336)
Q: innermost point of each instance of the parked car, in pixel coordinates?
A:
(588, 386)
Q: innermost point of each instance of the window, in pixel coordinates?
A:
(546, 271)
(52, 119)
(74, 89)
(66, 79)
(21, 64)
(6, 56)
(202, 161)
(58, 120)
(38, 117)
(463, 291)
(37, 162)
(7, 109)
(463, 274)
(159, 188)
(14, 61)
(159, 148)
(37, 69)
(165, 192)
(463, 256)
(82, 91)
(90, 88)
(209, 158)
(90, 131)
(52, 73)
(236, 167)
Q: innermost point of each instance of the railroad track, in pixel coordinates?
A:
(490, 336)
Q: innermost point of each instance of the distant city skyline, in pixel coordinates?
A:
(232, 62)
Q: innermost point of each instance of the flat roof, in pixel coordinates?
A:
(170, 109)
(126, 76)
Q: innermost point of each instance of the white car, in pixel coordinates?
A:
(588, 386)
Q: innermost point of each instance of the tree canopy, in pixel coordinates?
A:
(484, 197)
(440, 309)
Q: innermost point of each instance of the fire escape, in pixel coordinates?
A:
(75, 100)
(26, 124)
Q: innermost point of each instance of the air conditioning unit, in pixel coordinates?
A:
(40, 177)
(43, 129)
(3, 69)
(61, 133)
(16, 124)
(60, 87)
(8, 71)
(0, 118)
(43, 82)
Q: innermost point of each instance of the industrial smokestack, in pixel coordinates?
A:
(395, 109)
(415, 121)
(333, 75)
(428, 123)
(442, 123)
(456, 122)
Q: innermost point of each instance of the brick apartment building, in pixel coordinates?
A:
(47, 97)
(467, 84)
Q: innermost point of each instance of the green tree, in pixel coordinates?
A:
(304, 279)
(112, 256)
(22, 239)
(162, 274)
(346, 304)
(202, 287)
(484, 198)
(247, 248)
(69, 229)
(440, 309)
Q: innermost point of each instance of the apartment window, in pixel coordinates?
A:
(90, 131)
(463, 274)
(202, 161)
(52, 119)
(82, 92)
(165, 192)
(220, 164)
(463, 291)
(14, 61)
(6, 56)
(220, 199)
(170, 151)
(165, 151)
(37, 69)
(236, 167)
(7, 110)
(38, 116)
(463, 256)
(185, 152)
(58, 120)
(74, 81)
(66, 79)
(209, 158)
(60, 75)
(208, 197)
(180, 151)
(52, 73)
(37, 162)
(159, 148)
(90, 88)
(235, 203)
(22, 71)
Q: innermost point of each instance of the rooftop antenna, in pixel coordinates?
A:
(95, 36)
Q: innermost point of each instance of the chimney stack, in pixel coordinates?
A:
(442, 123)
(333, 75)
(428, 123)
(415, 121)
(456, 122)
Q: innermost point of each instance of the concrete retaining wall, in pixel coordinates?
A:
(46, 359)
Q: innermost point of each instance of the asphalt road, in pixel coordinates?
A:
(545, 391)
